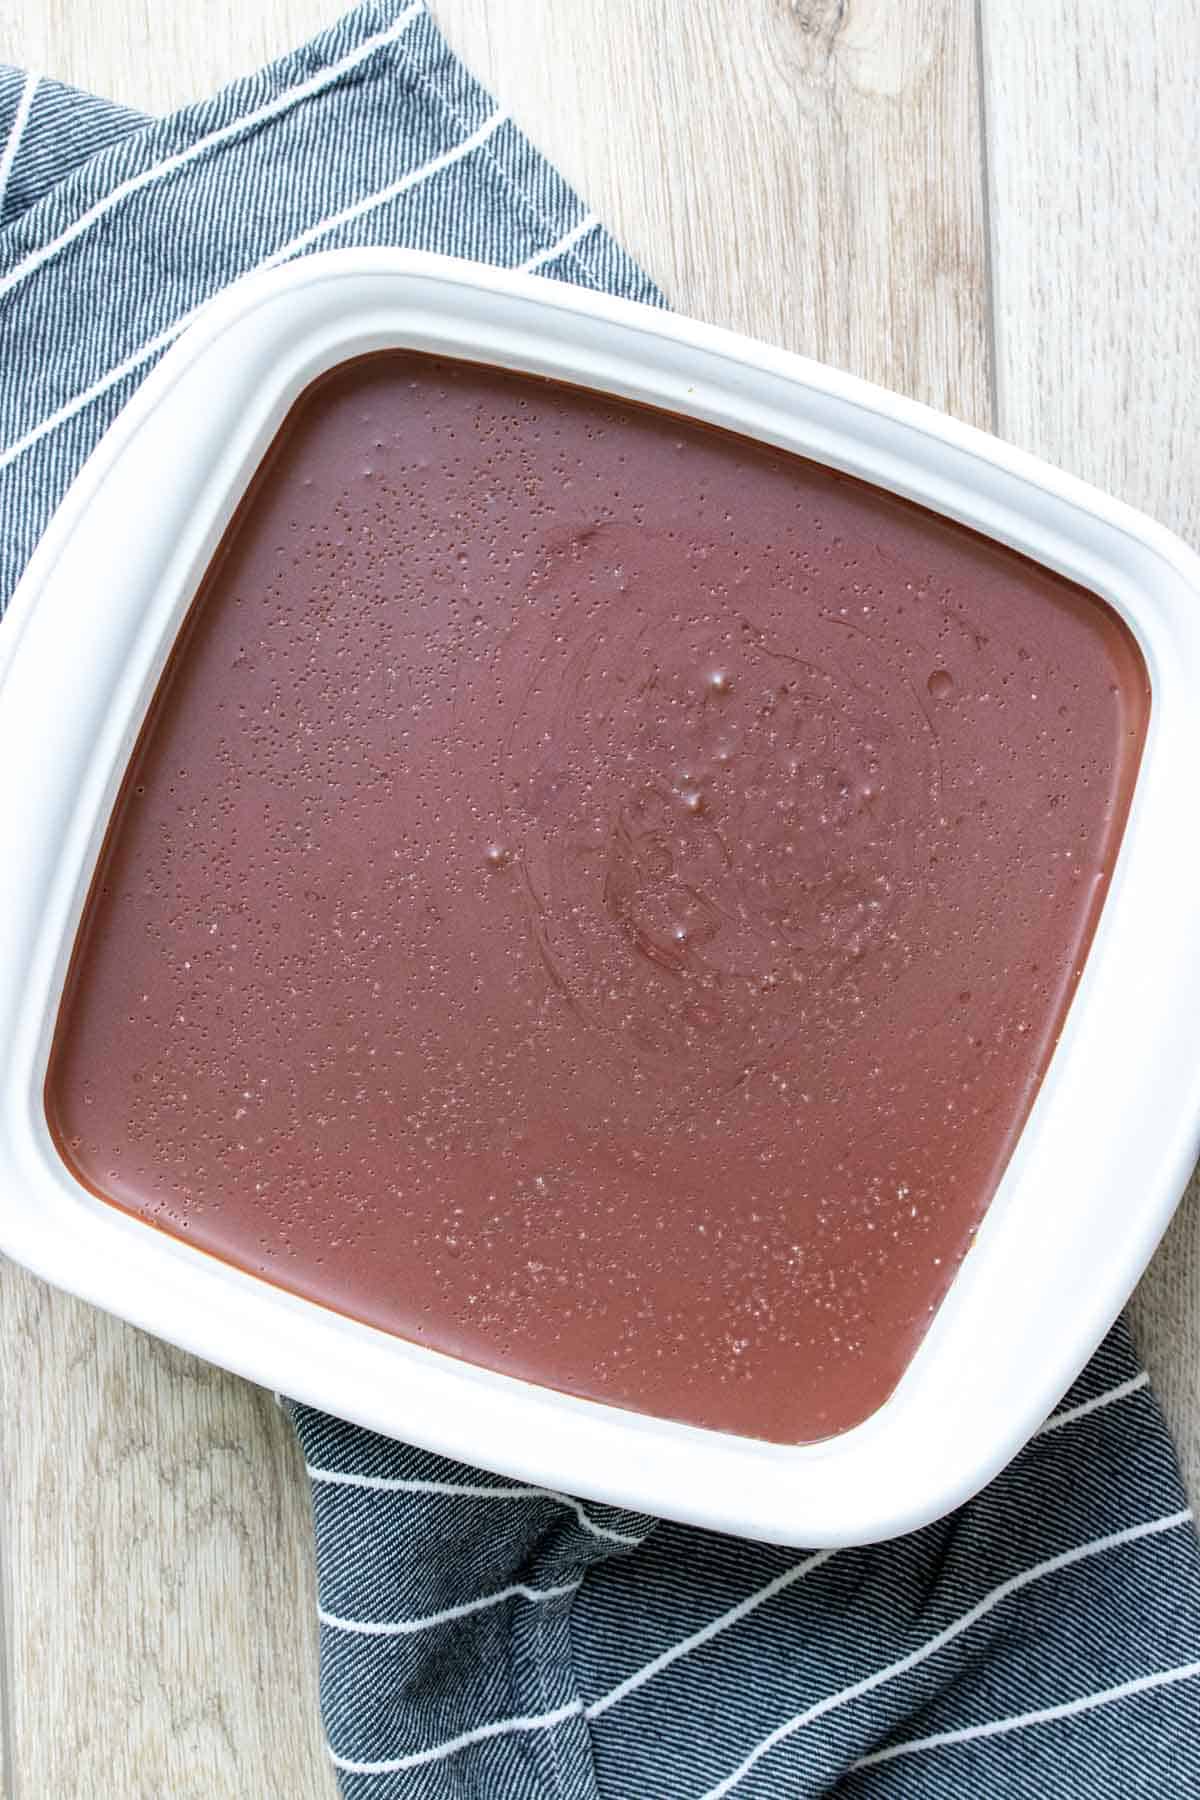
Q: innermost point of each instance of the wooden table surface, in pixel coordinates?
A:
(989, 204)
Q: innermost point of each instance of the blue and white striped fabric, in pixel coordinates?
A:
(480, 1639)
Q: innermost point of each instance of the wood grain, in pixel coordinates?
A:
(151, 56)
(157, 1543)
(809, 170)
(1094, 143)
(806, 170)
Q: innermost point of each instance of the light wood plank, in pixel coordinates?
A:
(154, 1521)
(806, 170)
(1094, 144)
(150, 56)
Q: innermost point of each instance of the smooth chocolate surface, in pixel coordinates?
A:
(596, 895)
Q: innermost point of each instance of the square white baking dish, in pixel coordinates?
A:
(1115, 1130)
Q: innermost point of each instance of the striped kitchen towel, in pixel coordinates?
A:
(478, 1638)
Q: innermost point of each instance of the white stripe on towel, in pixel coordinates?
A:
(389, 1484)
(1110, 1397)
(707, 1632)
(567, 242)
(1042, 1715)
(409, 1627)
(498, 1728)
(236, 127)
(1053, 1565)
(292, 248)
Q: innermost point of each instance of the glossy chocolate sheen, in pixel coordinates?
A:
(596, 895)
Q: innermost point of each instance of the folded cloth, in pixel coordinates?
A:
(479, 1638)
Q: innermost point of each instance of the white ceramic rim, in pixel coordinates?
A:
(1112, 1137)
